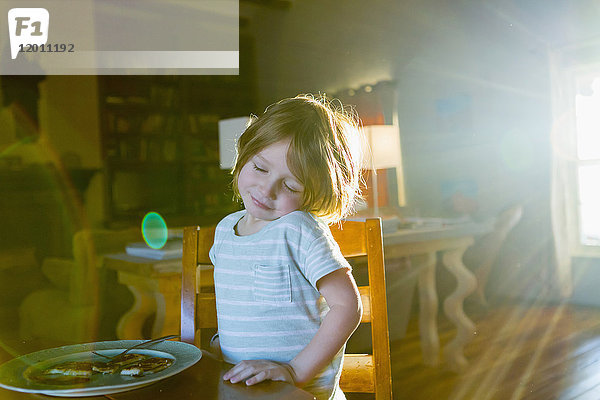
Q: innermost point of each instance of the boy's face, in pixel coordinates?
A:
(268, 188)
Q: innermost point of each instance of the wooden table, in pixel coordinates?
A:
(156, 289)
(422, 245)
(11, 395)
(202, 381)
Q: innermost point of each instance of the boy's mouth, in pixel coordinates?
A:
(260, 204)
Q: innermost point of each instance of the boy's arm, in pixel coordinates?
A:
(345, 310)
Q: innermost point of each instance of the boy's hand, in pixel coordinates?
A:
(254, 371)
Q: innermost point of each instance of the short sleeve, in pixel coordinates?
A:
(211, 254)
(323, 257)
(221, 227)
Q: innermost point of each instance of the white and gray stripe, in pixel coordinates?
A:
(268, 305)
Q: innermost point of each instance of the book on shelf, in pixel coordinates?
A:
(172, 249)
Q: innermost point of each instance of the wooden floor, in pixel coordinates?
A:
(518, 352)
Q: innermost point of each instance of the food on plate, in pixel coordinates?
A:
(71, 368)
(148, 365)
(64, 373)
(80, 372)
(112, 366)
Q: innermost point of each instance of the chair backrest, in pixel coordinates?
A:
(198, 308)
(369, 373)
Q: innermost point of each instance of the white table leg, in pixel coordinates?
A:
(131, 323)
(453, 306)
(159, 296)
(167, 319)
(428, 304)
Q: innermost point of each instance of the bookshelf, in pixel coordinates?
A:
(160, 144)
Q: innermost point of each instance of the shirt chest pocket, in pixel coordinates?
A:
(271, 283)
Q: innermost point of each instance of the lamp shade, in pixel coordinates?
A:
(229, 131)
(381, 145)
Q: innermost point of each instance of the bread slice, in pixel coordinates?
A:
(115, 364)
(71, 368)
(148, 365)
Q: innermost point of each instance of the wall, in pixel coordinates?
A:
(586, 275)
(438, 53)
(474, 100)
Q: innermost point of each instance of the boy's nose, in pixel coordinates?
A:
(268, 190)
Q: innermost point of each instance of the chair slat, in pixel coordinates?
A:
(351, 239)
(206, 311)
(197, 242)
(379, 320)
(206, 237)
(354, 378)
(204, 277)
(188, 284)
(358, 238)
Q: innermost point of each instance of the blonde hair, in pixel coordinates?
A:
(324, 152)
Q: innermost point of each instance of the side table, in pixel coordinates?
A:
(156, 288)
(422, 246)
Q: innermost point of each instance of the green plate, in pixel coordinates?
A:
(18, 373)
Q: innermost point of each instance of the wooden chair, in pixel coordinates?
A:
(365, 373)
(370, 373)
(198, 307)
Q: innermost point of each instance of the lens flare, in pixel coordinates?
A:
(517, 151)
(154, 230)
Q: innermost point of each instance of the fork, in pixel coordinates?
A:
(137, 346)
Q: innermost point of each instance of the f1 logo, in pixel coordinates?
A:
(27, 26)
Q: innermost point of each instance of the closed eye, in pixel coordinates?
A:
(257, 168)
(290, 189)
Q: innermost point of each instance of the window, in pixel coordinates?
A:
(587, 121)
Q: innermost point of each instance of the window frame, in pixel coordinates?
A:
(577, 247)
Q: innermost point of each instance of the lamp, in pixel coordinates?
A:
(230, 130)
(381, 150)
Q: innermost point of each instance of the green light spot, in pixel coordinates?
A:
(154, 230)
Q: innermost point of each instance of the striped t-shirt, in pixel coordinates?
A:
(268, 306)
